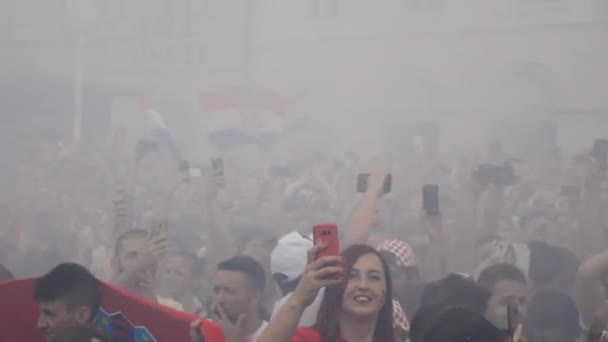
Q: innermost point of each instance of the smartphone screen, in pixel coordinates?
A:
(430, 199)
(483, 175)
(600, 152)
(362, 180)
(217, 164)
(495, 174)
(184, 166)
(388, 184)
(327, 234)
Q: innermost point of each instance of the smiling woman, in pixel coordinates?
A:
(357, 304)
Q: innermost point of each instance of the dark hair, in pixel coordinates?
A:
(128, 235)
(80, 333)
(423, 319)
(544, 263)
(460, 325)
(551, 265)
(71, 283)
(329, 313)
(248, 266)
(5, 274)
(286, 286)
(495, 273)
(456, 291)
(552, 311)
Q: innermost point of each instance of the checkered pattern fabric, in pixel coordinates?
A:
(399, 319)
(403, 252)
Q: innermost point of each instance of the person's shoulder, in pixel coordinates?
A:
(306, 335)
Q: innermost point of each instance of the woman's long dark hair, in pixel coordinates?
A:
(328, 319)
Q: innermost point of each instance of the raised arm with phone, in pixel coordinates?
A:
(363, 219)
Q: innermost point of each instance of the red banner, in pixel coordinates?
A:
(19, 314)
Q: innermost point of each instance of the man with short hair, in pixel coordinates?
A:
(238, 287)
(457, 291)
(136, 259)
(508, 295)
(69, 295)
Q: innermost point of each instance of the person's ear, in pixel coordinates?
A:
(257, 297)
(84, 315)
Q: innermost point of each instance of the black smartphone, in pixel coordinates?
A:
(363, 178)
(144, 147)
(217, 164)
(600, 152)
(495, 174)
(184, 166)
(430, 199)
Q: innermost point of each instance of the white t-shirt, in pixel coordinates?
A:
(309, 316)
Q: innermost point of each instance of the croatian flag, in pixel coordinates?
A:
(124, 316)
(159, 130)
(241, 115)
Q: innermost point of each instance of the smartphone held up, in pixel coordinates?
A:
(600, 152)
(363, 180)
(430, 199)
(188, 171)
(327, 234)
(503, 175)
(217, 166)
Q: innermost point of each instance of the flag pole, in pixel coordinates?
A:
(77, 91)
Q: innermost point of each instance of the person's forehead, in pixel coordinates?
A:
(368, 262)
(56, 306)
(135, 243)
(507, 287)
(230, 279)
(178, 262)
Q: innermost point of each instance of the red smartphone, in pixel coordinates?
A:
(327, 234)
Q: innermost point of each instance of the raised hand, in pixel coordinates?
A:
(233, 331)
(376, 181)
(320, 273)
(196, 334)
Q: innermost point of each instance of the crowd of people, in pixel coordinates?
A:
(519, 257)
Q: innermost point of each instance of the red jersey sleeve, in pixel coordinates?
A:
(306, 335)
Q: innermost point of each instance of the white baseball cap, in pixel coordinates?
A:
(289, 257)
